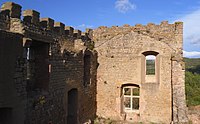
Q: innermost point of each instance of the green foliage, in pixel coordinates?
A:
(192, 81)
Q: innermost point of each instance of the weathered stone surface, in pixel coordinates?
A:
(42, 65)
(52, 73)
(11, 9)
(121, 57)
(47, 23)
(31, 16)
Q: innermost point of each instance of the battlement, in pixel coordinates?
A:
(47, 67)
(165, 32)
(32, 23)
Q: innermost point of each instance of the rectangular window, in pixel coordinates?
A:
(131, 98)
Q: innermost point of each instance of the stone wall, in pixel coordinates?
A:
(55, 74)
(121, 57)
(42, 61)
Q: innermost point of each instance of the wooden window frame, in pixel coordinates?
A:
(131, 96)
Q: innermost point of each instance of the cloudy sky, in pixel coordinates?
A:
(83, 14)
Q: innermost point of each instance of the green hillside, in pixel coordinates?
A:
(192, 81)
(192, 62)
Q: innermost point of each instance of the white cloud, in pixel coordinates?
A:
(192, 54)
(191, 27)
(124, 6)
(84, 26)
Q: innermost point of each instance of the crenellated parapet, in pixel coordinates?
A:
(170, 34)
(34, 27)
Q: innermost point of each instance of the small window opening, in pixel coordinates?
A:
(50, 52)
(49, 68)
(28, 54)
(150, 64)
(28, 76)
(131, 95)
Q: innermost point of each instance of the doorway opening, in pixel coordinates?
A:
(72, 106)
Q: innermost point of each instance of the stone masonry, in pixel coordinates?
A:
(42, 70)
(54, 74)
(121, 57)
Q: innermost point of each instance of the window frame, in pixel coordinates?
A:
(131, 96)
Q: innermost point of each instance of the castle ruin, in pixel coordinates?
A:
(53, 74)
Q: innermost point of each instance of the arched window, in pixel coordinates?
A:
(131, 97)
(150, 67)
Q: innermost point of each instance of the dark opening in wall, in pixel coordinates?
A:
(72, 106)
(5, 115)
(87, 67)
(38, 65)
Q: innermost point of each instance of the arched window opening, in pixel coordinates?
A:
(150, 67)
(150, 64)
(131, 97)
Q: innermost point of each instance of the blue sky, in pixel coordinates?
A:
(83, 14)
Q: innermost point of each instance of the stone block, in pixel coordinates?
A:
(31, 16)
(11, 9)
(69, 30)
(77, 33)
(47, 23)
(59, 27)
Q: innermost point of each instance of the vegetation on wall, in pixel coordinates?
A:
(192, 81)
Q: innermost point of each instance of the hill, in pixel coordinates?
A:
(192, 81)
(192, 65)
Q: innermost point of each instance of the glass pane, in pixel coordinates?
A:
(135, 103)
(150, 65)
(136, 92)
(127, 91)
(127, 102)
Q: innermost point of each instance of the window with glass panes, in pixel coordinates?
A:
(131, 98)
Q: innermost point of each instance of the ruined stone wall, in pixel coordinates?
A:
(12, 95)
(43, 61)
(49, 71)
(121, 57)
